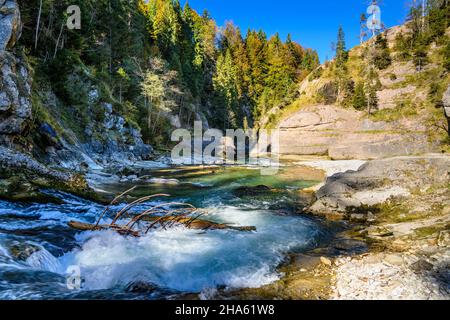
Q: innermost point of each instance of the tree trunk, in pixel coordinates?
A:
(57, 41)
(37, 25)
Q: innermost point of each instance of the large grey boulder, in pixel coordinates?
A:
(10, 24)
(380, 180)
(446, 102)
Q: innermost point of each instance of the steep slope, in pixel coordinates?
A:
(408, 119)
(36, 121)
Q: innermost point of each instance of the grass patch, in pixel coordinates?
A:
(426, 232)
(405, 108)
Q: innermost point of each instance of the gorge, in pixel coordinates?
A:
(358, 207)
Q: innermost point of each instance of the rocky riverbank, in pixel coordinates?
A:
(22, 178)
(402, 209)
(392, 245)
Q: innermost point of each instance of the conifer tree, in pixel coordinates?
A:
(382, 58)
(359, 97)
(341, 52)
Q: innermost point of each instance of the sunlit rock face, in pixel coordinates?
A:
(15, 79)
(446, 102)
(339, 133)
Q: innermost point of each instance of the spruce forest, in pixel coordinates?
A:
(158, 64)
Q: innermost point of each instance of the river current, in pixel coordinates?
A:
(38, 251)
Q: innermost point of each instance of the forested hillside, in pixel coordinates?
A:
(382, 98)
(354, 78)
(158, 65)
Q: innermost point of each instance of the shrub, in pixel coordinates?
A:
(447, 56)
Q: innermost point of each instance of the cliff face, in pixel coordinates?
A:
(15, 79)
(35, 121)
(10, 23)
(408, 119)
(329, 130)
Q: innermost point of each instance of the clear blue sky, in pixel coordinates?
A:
(313, 23)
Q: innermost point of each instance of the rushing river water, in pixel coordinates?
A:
(37, 247)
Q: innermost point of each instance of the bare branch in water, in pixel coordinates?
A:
(164, 215)
(113, 202)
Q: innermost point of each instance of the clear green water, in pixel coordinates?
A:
(37, 246)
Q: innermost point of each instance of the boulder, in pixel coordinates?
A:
(421, 265)
(245, 191)
(378, 181)
(446, 103)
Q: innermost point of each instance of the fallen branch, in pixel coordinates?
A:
(199, 224)
(162, 216)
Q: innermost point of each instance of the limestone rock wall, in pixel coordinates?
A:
(340, 133)
(15, 79)
(10, 24)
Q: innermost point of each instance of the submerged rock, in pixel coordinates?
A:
(141, 287)
(163, 181)
(245, 191)
(23, 250)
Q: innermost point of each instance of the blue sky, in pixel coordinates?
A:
(313, 23)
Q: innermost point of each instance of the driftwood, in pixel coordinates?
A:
(162, 216)
(187, 222)
(92, 227)
(199, 224)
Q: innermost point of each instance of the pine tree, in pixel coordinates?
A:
(382, 58)
(224, 83)
(372, 99)
(257, 54)
(341, 52)
(359, 97)
(344, 84)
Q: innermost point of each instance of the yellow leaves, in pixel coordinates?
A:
(123, 74)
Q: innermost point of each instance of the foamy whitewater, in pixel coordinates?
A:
(189, 260)
(37, 248)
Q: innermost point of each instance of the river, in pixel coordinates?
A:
(37, 247)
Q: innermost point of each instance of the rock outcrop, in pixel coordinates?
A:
(347, 134)
(10, 24)
(378, 181)
(403, 122)
(15, 79)
(15, 96)
(22, 178)
(446, 104)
